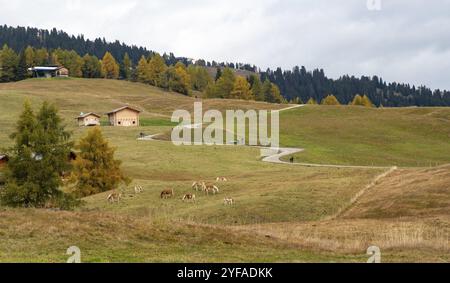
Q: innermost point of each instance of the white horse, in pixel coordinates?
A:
(138, 189)
(114, 197)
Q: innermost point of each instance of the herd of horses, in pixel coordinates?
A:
(199, 186)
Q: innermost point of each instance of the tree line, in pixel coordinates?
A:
(302, 85)
(151, 70)
(298, 84)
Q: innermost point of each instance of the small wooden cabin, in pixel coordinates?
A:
(124, 117)
(88, 119)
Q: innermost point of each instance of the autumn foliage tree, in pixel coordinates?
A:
(330, 100)
(359, 100)
(110, 68)
(96, 170)
(311, 101)
(156, 68)
(241, 89)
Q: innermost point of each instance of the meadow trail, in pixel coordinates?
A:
(342, 211)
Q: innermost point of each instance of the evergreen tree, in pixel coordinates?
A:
(96, 170)
(256, 87)
(39, 158)
(225, 84)
(218, 74)
(92, 68)
(70, 60)
(126, 67)
(8, 64)
(22, 69)
(200, 77)
(110, 68)
(41, 57)
(272, 93)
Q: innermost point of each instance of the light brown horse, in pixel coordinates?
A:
(169, 193)
(210, 187)
(114, 197)
(198, 185)
(221, 179)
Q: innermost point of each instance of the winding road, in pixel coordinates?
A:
(274, 155)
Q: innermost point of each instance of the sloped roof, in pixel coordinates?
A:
(88, 114)
(42, 68)
(123, 108)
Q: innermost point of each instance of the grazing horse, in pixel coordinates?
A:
(198, 185)
(189, 197)
(207, 188)
(291, 159)
(221, 179)
(167, 194)
(114, 197)
(228, 201)
(138, 189)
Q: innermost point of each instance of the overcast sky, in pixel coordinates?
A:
(405, 40)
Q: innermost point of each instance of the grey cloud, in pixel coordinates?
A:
(406, 41)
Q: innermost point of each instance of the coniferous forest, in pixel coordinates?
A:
(83, 57)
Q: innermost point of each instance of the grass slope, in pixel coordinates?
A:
(360, 136)
(279, 208)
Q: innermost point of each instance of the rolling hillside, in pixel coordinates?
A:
(412, 137)
(281, 209)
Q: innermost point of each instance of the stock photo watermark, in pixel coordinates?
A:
(75, 254)
(75, 257)
(212, 128)
(375, 254)
(374, 5)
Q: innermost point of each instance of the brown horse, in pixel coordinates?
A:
(169, 193)
(189, 197)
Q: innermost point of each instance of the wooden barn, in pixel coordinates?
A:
(88, 119)
(124, 117)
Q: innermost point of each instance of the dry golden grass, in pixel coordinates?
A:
(406, 192)
(424, 240)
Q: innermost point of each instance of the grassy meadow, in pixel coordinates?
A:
(282, 211)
